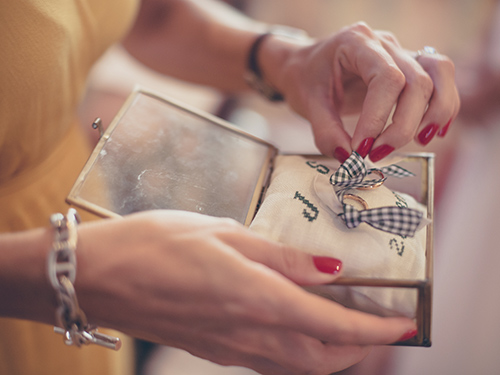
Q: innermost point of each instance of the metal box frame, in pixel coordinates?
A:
(267, 152)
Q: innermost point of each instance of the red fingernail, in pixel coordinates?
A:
(380, 152)
(340, 154)
(443, 131)
(408, 335)
(428, 133)
(365, 147)
(327, 264)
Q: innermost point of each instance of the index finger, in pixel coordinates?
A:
(329, 134)
(385, 82)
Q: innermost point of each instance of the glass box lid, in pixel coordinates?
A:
(160, 154)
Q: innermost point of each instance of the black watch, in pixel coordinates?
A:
(254, 75)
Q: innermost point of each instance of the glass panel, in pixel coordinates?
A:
(378, 300)
(162, 156)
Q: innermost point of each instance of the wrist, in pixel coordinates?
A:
(25, 292)
(267, 56)
(72, 322)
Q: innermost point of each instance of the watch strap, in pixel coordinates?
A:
(254, 75)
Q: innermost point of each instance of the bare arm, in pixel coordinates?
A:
(357, 70)
(205, 42)
(203, 284)
(25, 291)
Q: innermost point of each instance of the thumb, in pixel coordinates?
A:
(296, 265)
(329, 134)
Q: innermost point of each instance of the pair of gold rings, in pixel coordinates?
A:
(360, 200)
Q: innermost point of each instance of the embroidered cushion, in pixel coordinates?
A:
(301, 209)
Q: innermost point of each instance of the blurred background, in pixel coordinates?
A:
(467, 257)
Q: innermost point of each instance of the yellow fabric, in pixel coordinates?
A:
(47, 49)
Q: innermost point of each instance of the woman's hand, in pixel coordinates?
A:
(215, 289)
(359, 70)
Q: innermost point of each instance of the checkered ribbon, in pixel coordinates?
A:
(398, 220)
(351, 174)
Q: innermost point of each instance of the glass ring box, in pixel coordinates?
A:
(161, 154)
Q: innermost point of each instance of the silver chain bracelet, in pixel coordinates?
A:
(61, 266)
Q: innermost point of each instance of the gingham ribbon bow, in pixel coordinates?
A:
(351, 174)
(398, 220)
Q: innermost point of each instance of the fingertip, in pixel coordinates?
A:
(330, 137)
(444, 130)
(302, 268)
(327, 265)
(427, 133)
(380, 152)
(411, 333)
(341, 154)
(407, 330)
(365, 146)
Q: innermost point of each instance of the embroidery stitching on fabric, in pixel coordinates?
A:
(393, 244)
(311, 206)
(319, 167)
(400, 202)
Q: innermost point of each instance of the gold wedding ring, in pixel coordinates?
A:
(375, 185)
(355, 198)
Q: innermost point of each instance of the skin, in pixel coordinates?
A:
(203, 284)
(208, 285)
(356, 70)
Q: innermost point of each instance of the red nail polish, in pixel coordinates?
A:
(380, 152)
(443, 131)
(365, 147)
(340, 154)
(426, 135)
(327, 264)
(408, 335)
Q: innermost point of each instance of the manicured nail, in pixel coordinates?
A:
(426, 135)
(380, 152)
(365, 147)
(327, 264)
(341, 154)
(443, 131)
(408, 335)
